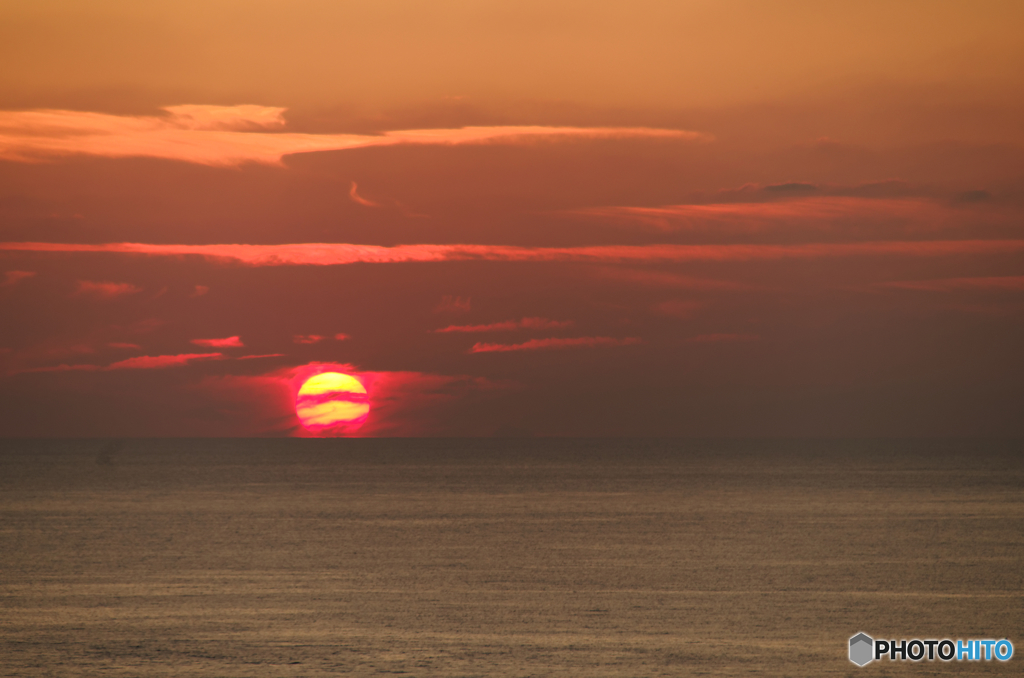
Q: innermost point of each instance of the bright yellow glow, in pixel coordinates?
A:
(332, 412)
(332, 382)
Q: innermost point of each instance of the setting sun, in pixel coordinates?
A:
(332, 403)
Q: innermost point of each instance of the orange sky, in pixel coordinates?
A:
(547, 218)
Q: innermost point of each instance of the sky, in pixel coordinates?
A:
(691, 218)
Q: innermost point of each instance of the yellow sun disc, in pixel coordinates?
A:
(332, 403)
(331, 382)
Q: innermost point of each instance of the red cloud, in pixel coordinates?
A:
(199, 291)
(104, 290)
(554, 342)
(226, 342)
(341, 336)
(855, 215)
(145, 362)
(360, 200)
(14, 277)
(530, 323)
(333, 254)
(307, 338)
(450, 304)
(151, 362)
(233, 135)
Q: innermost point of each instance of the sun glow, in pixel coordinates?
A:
(332, 403)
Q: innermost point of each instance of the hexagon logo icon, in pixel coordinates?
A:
(862, 648)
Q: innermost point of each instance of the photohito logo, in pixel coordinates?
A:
(864, 649)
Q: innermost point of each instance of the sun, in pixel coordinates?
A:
(332, 403)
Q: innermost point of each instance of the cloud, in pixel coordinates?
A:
(14, 277)
(720, 338)
(150, 362)
(450, 304)
(226, 342)
(238, 118)
(791, 187)
(199, 291)
(508, 325)
(145, 362)
(259, 356)
(124, 345)
(553, 343)
(852, 215)
(336, 254)
(307, 338)
(360, 200)
(233, 135)
(341, 336)
(992, 283)
(104, 290)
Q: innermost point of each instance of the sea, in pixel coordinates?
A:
(504, 557)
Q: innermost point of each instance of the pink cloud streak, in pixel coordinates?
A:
(820, 214)
(525, 323)
(104, 290)
(226, 342)
(14, 277)
(334, 254)
(358, 199)
(307, 338)
(234, 135)
(554, 342)
(145, 362)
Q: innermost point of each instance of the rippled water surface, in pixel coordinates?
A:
(502, 558)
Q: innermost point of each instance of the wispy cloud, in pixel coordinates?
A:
(104, 290)
(233, 135)
(450, 304)
(554, 343)
(334, 254)
(145, 362)
(508, 325)
(852, 215)
(992, 283)
(199, 291)
(151, 362)
(226, 342)
(307, 338)
(14, 277)
(358, 199)
(341, 336)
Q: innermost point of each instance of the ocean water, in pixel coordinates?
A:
(503, 557)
